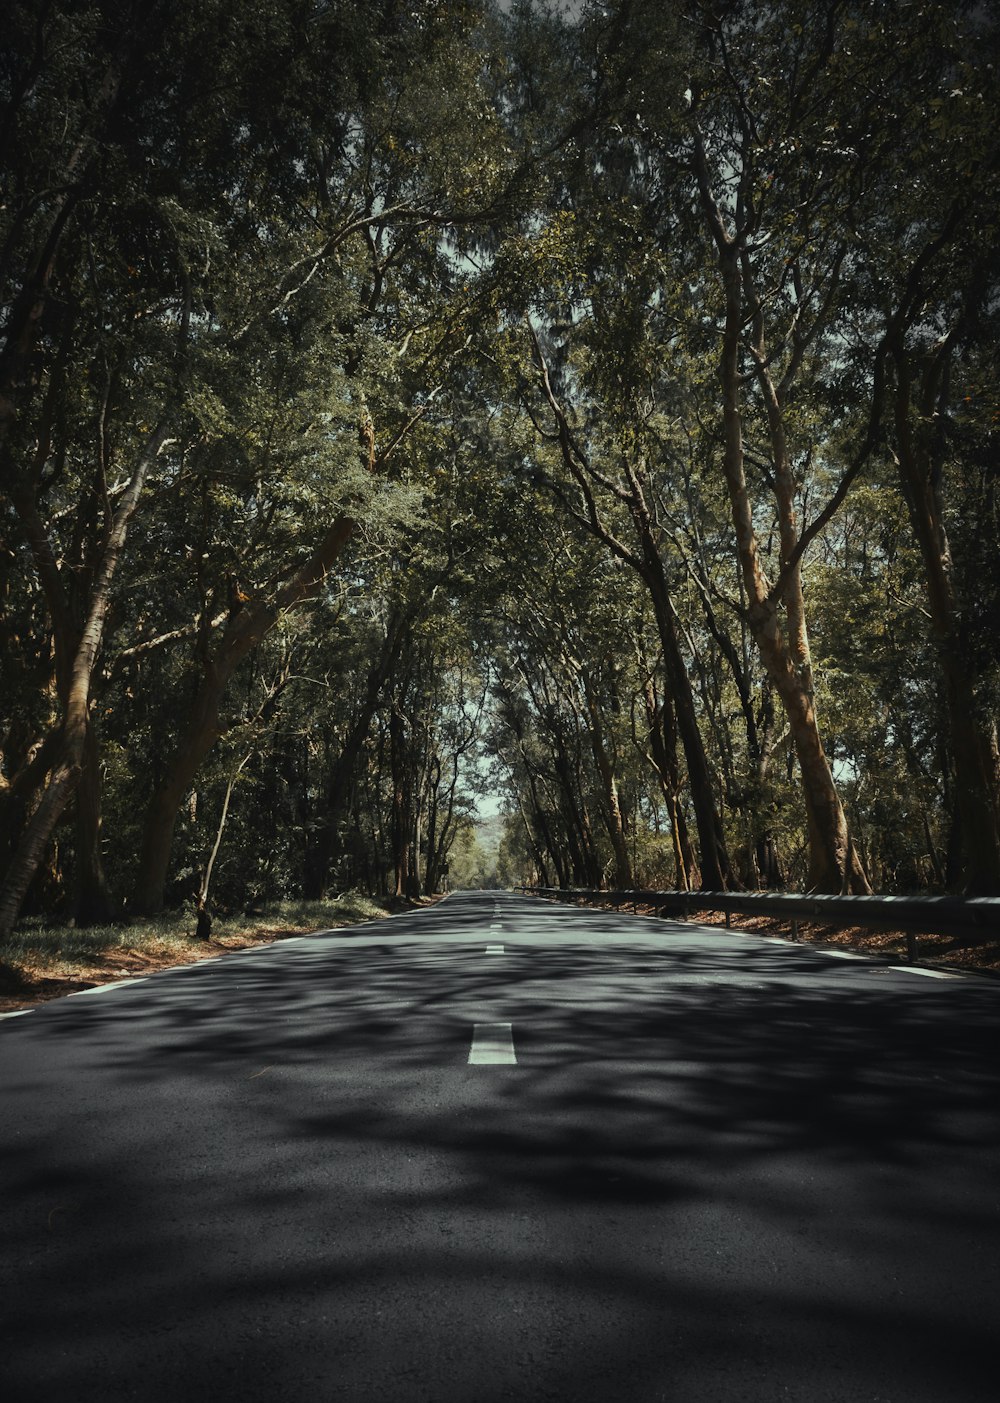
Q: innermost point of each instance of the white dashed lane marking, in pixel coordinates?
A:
(494, 949)
(492, 1045)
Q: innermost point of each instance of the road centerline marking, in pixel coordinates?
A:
(492, 1045)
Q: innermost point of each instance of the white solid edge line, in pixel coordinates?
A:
(928, 973)
(841, 954)
(103, 988)
(492, 1045)
(17, 1013)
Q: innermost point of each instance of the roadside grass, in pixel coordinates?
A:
(40, 961)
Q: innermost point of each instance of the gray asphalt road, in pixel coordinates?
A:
(680, 1165)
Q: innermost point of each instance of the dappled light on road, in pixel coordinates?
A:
(710, 1148)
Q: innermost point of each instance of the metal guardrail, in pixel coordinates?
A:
(938, 915)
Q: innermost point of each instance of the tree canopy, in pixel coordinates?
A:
(401, 403)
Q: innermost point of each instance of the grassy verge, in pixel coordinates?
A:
(41, 961)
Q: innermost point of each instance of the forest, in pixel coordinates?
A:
(405, 402)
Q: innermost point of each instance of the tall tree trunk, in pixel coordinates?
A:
(243, 632)
(433, 857)
(65, 775)
(416, 839)
(545, 830)
(534, 845)
(204, 915)
(971, 729)
(716, 869)
(401, 818)
(337, 802)
(612, 807)
(94, 906)
(834, 865)
(717, 873)
(663, 754)
(578, 837)
(26, 782)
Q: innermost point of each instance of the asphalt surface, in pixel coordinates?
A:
(680, 1165)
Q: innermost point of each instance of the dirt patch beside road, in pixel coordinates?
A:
(41, 963)
(946, 951)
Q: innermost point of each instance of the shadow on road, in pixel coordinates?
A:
(737, 1172)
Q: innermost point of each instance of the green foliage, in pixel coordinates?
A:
(327, 246)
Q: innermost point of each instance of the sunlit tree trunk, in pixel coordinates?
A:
(834, 865)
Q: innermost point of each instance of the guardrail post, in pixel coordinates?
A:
(911, 946)
(795, 929)
(729, 924)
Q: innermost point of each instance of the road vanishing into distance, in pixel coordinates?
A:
(500, 1149)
